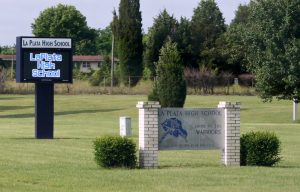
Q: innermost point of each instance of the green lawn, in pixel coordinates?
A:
(66, 162)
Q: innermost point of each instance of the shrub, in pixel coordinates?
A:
(153, 96)
(171, 85)
(260, 149)
(192, 77)
(2, 79)
(81, 75)
(207, 80)
(246, 80)
(115, 151)
(95, 78)
(147, 75)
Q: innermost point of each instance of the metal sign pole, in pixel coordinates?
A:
(44, 110)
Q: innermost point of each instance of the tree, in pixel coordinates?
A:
(66, 21)
(171, 85)
(8, 50)
(207, 25)
(103, 41)
(241, 15)
(273, 48)
(183, 40)
(234, 48)
(127, 29)
(164, 26)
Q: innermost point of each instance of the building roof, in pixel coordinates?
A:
(95, 58)
(8, 57)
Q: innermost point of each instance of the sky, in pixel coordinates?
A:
(16, 16)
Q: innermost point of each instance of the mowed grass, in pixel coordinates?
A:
(66, 163)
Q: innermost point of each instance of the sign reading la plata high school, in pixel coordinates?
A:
(190, 129)
(52, 43)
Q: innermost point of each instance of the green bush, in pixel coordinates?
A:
(96, 78)
(260, 149)
(2, 79)
(115, 151)
(153, 95)
(147, 75)
(102, 75)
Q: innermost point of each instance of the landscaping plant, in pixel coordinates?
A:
(260, 149)
(115, 151)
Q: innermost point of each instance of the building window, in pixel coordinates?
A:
(86, 65)
(100, 64)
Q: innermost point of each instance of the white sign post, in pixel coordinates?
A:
(125, 126)
(295, 109)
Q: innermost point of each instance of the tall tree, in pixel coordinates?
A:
(207, 25)
(66, 21)
(234, 48)
(103, 41)
(273, 41)
(171, 86)
(127, 28)
(164, 26)
(241, 14)
(184, 41)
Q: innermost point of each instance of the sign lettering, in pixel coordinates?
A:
(190, 129)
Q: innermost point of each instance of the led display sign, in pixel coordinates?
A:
(44, 60)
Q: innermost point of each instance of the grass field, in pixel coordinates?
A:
(66, 162)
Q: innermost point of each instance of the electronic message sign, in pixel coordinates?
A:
(44, 60)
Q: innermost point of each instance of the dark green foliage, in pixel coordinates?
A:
(104, 41)
(153, 96)
(170, 85)
(260, 149)
(234, 49)
(66, 21)
(272, 39)
(127, 29)
(115, 151)
(232, 43)
(184, 41)
(207, 25)
(164, 27)
(245, 145)
(241, 15)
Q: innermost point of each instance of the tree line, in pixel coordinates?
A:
(263, 39)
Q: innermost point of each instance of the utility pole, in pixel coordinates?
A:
(112, 64)
(12, 64)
